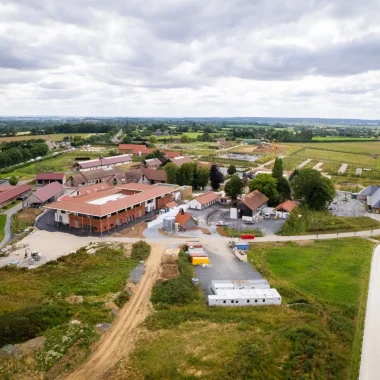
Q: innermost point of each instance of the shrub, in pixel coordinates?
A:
(28, 323)
(140, 250)
(177, 291)
(122, 298)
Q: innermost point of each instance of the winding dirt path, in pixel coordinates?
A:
(118, 342)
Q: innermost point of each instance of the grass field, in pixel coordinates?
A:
(290, 163)
(343, 157)
(341, 138)
(322, 222)
(315, 333)
(54, 137)
(3, 220)
(35, 302)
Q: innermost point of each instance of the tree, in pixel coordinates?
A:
(284, 189)
(127, 139)
(294, 175)
(13, 181)
(184, 139)
(156, 154)
(267, 185)
(313, 189)
(171, 172)
(278, 170)
(216, 177)
(187, 175)
(231, 170)
(203, 175)
(152, 140)
(234, 187)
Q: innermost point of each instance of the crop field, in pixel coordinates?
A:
(343, 157)
(315, 333)
(53, 137)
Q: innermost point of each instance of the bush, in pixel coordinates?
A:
(140, 250)
(122, 298)
(177, 291)
(28, 323)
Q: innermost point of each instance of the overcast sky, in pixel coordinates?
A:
(288, 58)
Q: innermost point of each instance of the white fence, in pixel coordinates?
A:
(172, 212)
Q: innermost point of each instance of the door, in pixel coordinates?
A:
(76, 224)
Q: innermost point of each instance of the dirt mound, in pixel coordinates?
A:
(135, 231)
(169, 271)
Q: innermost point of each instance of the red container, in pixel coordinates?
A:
(247, 237)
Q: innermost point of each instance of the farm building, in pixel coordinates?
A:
(371, 197)
(135, 149)
(152, 176)
(169, 155)
(46, 194)
(9, 194)
(245, 297)
(103, 162)
(185, 221)
(91, 177)
(104, 210)
(204, 200)
(46, 178)
(91, 189)
(180, 160)
(217, 285)
(249, 206)
(152, 163)
(284, 209)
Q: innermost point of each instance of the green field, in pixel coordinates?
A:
(315, 333)
(322, 222)
(291, 162)
(53, 137)
(341, 138)
(35, 302)
(3, 220)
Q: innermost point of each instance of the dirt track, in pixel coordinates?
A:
(118, 342)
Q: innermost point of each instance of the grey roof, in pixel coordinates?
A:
(369, 190)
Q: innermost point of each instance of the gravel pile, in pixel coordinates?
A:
(137, 273)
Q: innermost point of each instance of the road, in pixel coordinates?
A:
(370, 363)
(118, 342)
(7, 229)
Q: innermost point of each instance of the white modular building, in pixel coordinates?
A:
(245, 297)
(217, 285)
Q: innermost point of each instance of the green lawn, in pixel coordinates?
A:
(53, 137)
(3, 220)
(341, 138)
(291, 162)
(315, 334)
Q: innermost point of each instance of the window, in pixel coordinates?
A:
(247, 301)
(232, 301)
(264, 300)
(236, 301)
(111, 224)
(63, 212)
(255, 301)
(224, 301)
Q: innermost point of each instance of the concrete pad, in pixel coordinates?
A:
(343, 168)
(302, 164)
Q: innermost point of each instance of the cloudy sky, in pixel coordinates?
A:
(288, 58)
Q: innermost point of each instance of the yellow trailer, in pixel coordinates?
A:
(200, 260)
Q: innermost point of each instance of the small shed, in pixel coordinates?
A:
(204, 200)
(284, 209)
(185, 221)
(47, 194)
(46, 178)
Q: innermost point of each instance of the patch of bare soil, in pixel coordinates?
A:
(205, 231)
(29, 215)
(221, 231)
(304, 242)
(118, 342)
(132, 232)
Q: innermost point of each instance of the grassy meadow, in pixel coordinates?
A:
(53, 137)
(315, 334)
(42, 301)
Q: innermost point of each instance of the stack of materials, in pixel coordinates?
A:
(196, 253)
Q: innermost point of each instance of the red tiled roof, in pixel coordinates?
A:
(182, 219)
(92, 188)
(136, 149)
(172, 154)
(254, 199)
(14, 192)
(80, 205)
(135, 186)
(5, 188)
(179, 161)
(105, 161)
(153, 162)
(155, 175)
(287, 206)
(207, 197)
(50, 176)
(171, 204)
(48, 191)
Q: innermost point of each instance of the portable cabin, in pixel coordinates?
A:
(194, 244)
(196, 250)
(217, 285)
(200, 260)
(242, 245)
(245, 297)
